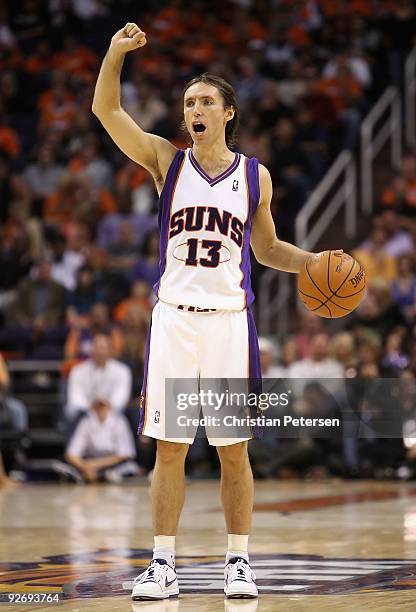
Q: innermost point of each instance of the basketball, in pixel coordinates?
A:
(331, 284)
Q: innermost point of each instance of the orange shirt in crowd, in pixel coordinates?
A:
(57, 209)
(132, 175)
(56, 115)
(9, 141)
(73, 343)
(298, 36)
(391, 197)
(341, 90)
(121, 310)
(377, 265)
(353, 7)
(81, 62)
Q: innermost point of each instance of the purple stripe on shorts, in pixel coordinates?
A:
(254, 375)
(144, 385)
(253, 186)
(164, 211)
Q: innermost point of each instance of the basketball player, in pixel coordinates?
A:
(214, 204)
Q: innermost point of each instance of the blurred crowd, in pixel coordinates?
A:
(79, 246)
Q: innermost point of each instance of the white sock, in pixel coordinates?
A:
(164, 548)
(237, 547)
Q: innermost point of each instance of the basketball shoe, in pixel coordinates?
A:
(159, 581)
(240, 580)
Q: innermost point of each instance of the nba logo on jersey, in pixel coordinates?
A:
(157, 416)
(235, 185)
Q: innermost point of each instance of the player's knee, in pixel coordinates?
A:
(234, 454)
(168, 452)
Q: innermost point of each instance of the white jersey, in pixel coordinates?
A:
(205, 227)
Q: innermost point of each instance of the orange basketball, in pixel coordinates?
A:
(331, 284)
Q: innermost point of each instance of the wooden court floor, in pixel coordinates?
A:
(325, 546)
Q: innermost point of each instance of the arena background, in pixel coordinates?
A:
(327, 97)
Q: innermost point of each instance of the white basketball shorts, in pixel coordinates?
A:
(185, 344)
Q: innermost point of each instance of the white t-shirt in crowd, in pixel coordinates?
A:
(87, 382)
(95, 438)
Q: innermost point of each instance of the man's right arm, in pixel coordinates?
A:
(155, 154)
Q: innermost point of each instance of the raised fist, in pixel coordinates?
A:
(128, 39)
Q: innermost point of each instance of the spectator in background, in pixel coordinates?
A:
(134, 328)
(20, 223)
(123, 252)
(84, 328)
(16, 259)
(399, 240)
(43, 175)
(343, 350)
(89, 162)
(345, 93)
(40, 299)
(358, 65)
(65, 263)
(96, 378)
(57, 110)
(9, 139)
(146, 267)
(270, 107)
(86, 293)
(377, 312)
(401, 193)
(404, 287)
(76, 200)
(5, 482)
(313, 140)
(319, 365)
(38, 325)
(16, 408)
(369, 351)
(268, 354)
(375, 260)
(140, 297)
(289, 354)
(108, 230)
(134, 180)
(13, 426)
(394, 359)
(309, 325)
(249, 83)
(102, 440)
(142, 102)
(76, 60)
(290, 165)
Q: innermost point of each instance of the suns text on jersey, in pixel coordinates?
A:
(209, 218)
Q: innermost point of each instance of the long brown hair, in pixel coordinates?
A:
(228, 95)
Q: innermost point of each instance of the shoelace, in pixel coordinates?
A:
(244, 572)
(152, 574)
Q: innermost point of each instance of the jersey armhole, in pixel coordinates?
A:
(253, 184)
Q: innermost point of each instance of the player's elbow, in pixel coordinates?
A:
(100, 109)
(97, 109)
(260, 257)
(263, 254)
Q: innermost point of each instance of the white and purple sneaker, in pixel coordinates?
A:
(239, 580)
(159, 581)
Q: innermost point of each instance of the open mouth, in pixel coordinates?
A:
(199, 127)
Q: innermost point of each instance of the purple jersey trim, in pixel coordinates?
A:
(254, 373)
(220, 177)
(253, 188)
(143, 396)
(165, 202)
